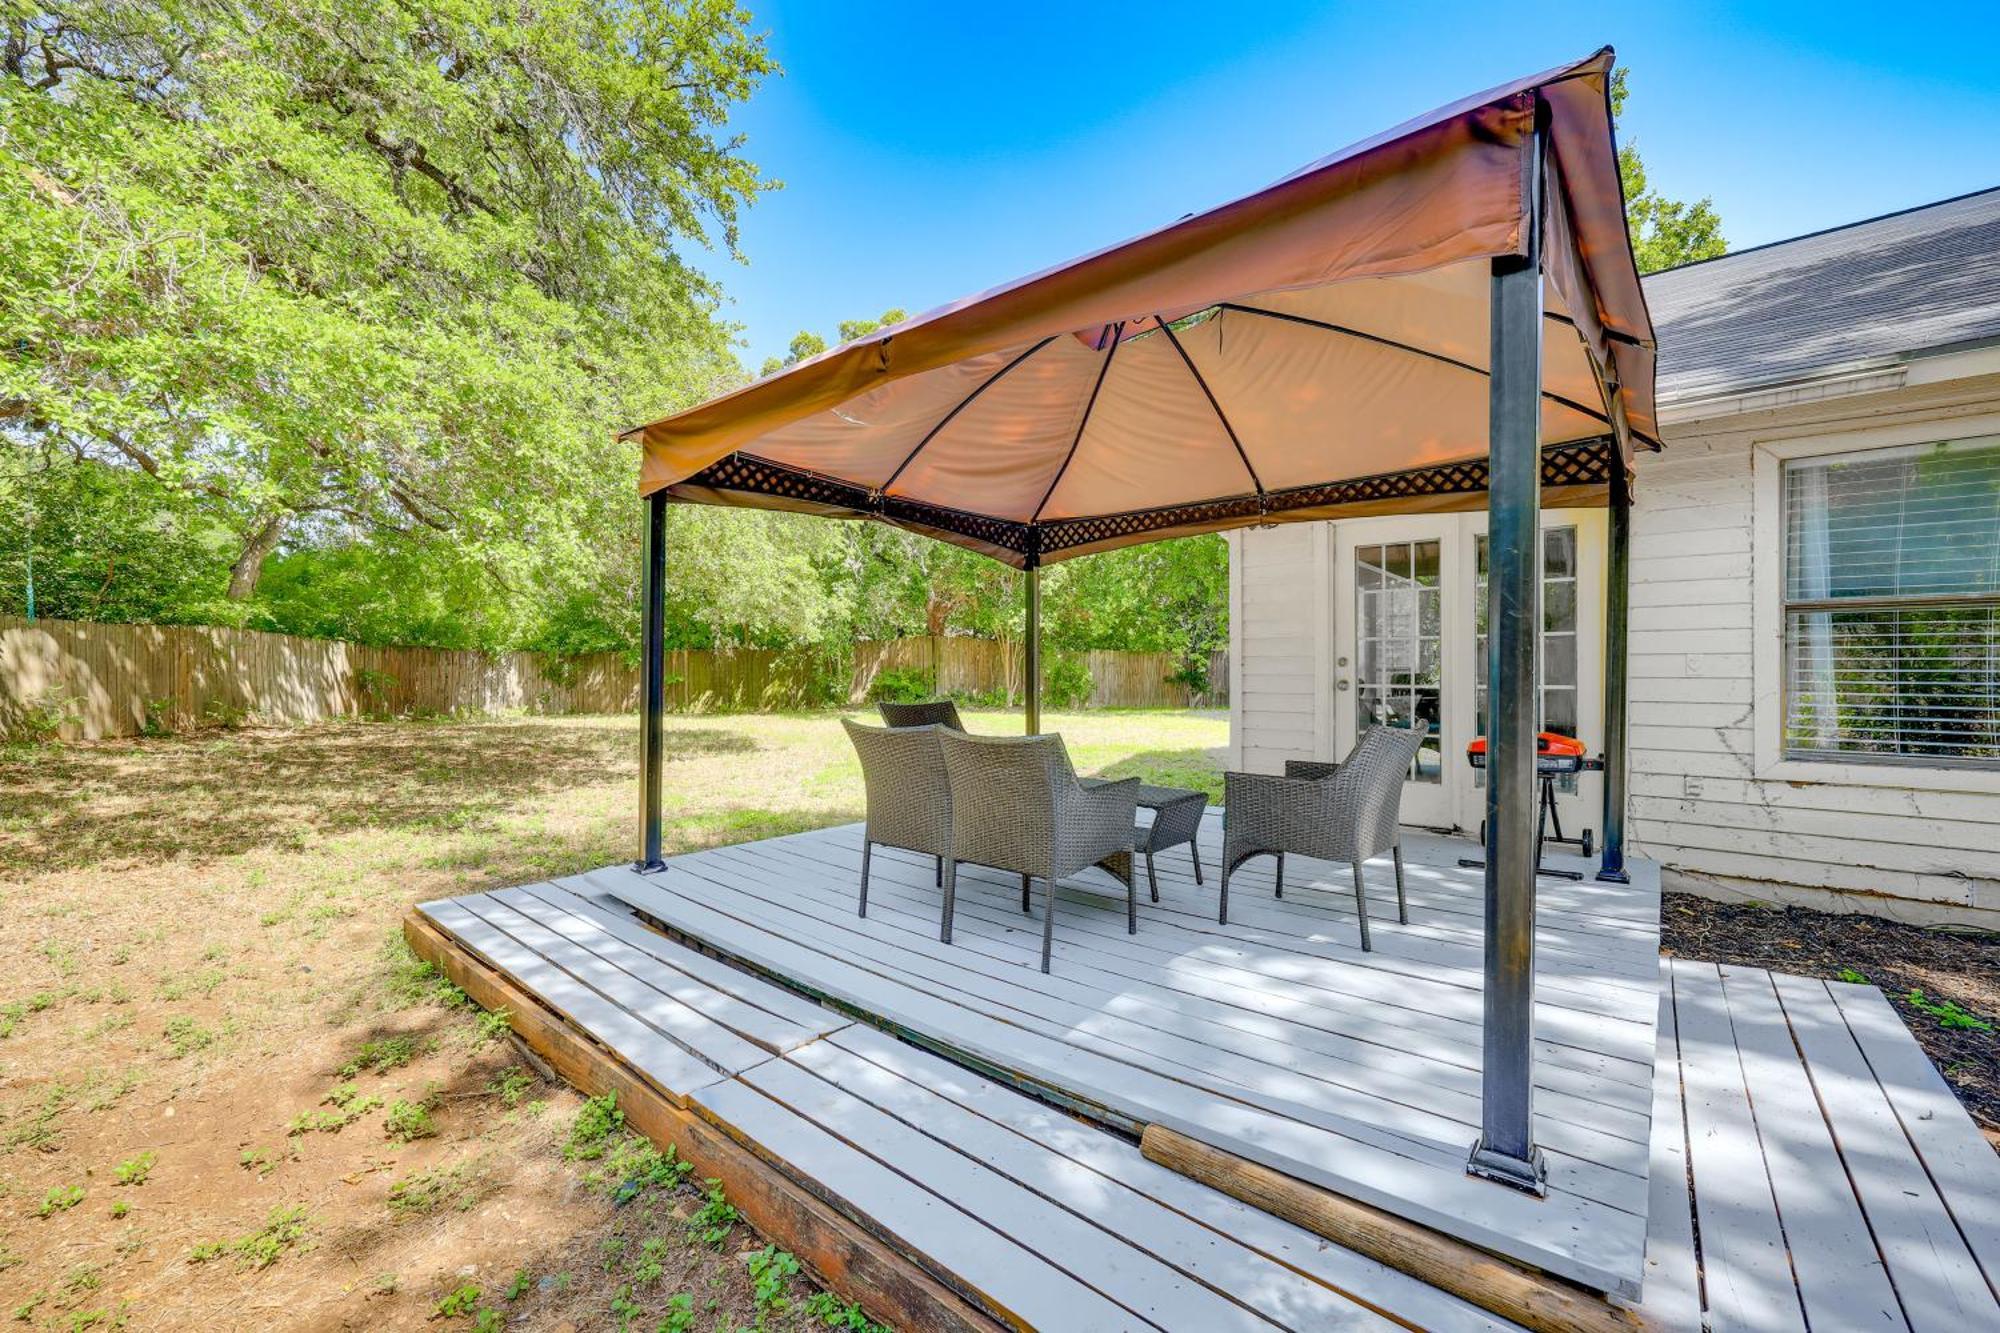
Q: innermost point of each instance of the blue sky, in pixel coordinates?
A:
(930, 150)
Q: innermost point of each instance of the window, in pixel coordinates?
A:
(1892, 605)
(1396, 592)
(1558, 631)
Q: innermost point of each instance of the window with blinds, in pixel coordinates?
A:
(1892, 605)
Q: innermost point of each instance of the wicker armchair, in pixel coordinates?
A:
(909, 796)
(1349, 816)
(942, 712)
(1016, 805)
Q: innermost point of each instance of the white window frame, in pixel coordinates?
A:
(1767, 556)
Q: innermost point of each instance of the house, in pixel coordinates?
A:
(1815, 590)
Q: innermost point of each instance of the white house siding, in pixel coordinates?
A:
(1278, 584)
(1897, 844)
(1922, 847)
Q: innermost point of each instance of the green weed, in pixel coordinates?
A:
(712, 1221)
(771, 1272)
(380, 1056)
(409, 1121)
(60, 1199)
(493, 1024)
(283, 1229)
(456, 1304)
(185, 1037)
(1947, 1013)
(134, 1171)
(831, 1311)
(347, 1104)
(680, 1314)
(455, 1185)
(1851, 977)
(120, 1208)
(510, 1084)
(590, 1135)
(518, 1288)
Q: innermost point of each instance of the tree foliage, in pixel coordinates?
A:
(1665, 232)
(344, 273)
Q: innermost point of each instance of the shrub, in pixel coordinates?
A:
(901, 685)
(39, 721)
(1066, 683)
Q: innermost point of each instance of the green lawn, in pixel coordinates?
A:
(202, 964)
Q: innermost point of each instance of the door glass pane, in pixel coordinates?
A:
(1397, 628)
(1558, 662)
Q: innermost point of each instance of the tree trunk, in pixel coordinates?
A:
(249, 566)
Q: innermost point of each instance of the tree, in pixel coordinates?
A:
(806, 344)
(341, 271)
(1665, 232)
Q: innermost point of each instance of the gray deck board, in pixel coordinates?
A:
(1273, 1070)
(1961, 1164)
(1570, 1233)
(672, 1068)
(1940, 1284)
(1836, 1183)
(1842, 1280)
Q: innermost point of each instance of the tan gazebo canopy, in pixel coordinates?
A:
(1313, 350)
(1446, 316)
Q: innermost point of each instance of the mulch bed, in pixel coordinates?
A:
(1961, 968)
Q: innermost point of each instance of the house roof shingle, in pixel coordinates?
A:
(1868, 294)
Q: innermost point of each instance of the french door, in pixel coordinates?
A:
(1398, 623)
(1409, 650)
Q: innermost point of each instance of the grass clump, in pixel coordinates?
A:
(185, 1037)
(340, 1108)
(410, 981)
(830, 1310)
(510, 1085)
(455, 1186)
(409, 1121)
(283, 1229)
(771, 1273)
(380, 1056)
(590, 1134)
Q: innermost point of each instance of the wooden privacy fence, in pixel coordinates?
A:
(85, 681)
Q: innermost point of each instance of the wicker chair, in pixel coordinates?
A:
(1016, 805)
(1349, 816)
(942, 712)
(909, 796)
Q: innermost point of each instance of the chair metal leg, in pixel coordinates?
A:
(1152, 880)
(1132, 893)
(1402, 903)
(1025, 879)
(940, 872)
(950, 900)
(1194, 854)
(1281, 875)
(866, 847)
(1048, 922)
(1361, 906)
(1222, 905)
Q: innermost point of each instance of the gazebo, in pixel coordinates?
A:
(1446, 316)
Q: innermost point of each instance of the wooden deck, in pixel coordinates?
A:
(1275, 1037)
(1804, 1166)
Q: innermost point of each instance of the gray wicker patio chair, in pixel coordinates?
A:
(1016, 805)
(909, 796)
(943, 712)
(1349, 816)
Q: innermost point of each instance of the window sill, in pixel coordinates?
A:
(1910, 777)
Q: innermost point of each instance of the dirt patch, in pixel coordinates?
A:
(1945, 984)
(228, 1099)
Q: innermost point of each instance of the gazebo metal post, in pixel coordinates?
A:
(1506, 1149)
(653, 684)
(1032, 692)
(1617, 653)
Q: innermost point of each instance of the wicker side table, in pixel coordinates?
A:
(1177, 816)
